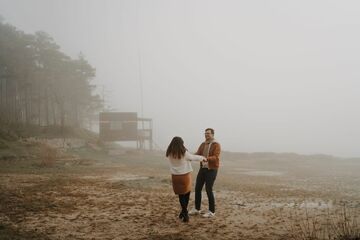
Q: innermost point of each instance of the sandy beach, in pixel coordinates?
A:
(129, 196)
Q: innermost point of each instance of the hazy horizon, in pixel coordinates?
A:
(273, 76)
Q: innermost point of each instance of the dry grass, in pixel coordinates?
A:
(339, 224)
(47, 156)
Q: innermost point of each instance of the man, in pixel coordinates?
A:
(207, 173)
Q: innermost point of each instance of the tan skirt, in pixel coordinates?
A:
(181, 183)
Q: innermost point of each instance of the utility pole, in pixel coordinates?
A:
(140, 74)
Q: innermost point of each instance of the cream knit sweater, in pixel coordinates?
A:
(183, 165)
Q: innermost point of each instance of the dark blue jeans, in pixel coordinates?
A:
(207, 177)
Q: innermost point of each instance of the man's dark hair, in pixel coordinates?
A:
(211, 130)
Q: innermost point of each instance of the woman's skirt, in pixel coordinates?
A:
(181, 183)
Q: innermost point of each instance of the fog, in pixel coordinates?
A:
(278, 76)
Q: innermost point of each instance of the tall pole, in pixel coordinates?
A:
(139, 64)
(141, 89)
(140, 75)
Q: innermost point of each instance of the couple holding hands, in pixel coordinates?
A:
(208, 154)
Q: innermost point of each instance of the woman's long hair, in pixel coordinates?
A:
(176, 148)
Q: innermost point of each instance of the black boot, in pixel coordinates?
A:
(186, 217)
(181, 215)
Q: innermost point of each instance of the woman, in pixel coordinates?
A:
(180, 167)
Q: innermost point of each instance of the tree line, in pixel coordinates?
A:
(39, 84)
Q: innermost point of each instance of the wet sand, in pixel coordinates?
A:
(130, 197)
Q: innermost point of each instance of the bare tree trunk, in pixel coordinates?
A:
(47, 107)
(26, 103)
(39, 103)
(62, 115)
(2, 109)
(1, 93)
(6, 100)
(77, 121)
(15, 102)
(54, 112)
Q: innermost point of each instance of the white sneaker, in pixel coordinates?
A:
(209, 214)
(194, 211)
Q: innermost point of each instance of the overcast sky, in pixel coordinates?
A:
(279, 76)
